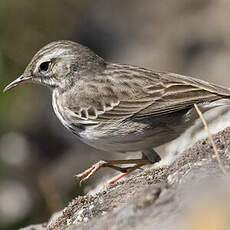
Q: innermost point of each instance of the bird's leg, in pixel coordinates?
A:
(151, 155)
(147, 154)
(112, 164)
(121, 175)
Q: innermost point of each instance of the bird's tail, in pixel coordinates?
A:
(217, 103)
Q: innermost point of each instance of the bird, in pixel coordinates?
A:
(117, 107)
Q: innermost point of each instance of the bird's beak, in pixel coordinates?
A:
(20, 80)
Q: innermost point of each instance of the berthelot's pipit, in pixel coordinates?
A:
(116, 107)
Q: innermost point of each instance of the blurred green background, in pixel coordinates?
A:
(38, 157)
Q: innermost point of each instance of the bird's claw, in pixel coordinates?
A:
(84, 176)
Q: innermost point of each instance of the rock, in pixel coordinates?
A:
(191, 193)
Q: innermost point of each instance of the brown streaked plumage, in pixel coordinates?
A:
(117, 107)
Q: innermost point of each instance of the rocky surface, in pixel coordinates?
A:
(191, 193)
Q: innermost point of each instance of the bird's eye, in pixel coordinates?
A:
(44, 66)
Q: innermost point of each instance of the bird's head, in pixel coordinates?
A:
(58, 64)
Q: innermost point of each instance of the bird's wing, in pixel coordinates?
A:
(126, 91)
(181, 92)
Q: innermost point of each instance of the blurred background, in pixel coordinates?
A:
(38, 157)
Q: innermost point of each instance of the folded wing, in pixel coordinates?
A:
(131, 92)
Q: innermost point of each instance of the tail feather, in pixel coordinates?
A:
(217, 103)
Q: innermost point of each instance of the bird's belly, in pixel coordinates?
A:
(136, 135)
(129, 143)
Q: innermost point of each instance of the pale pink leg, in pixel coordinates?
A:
(101, 164)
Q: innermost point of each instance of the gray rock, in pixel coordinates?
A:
(191, 193)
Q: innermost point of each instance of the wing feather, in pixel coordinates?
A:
(138, 93)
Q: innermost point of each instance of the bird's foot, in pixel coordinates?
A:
(112, 164)
(117, 178)
(90, 171)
